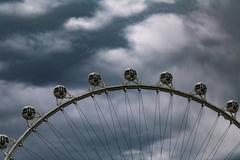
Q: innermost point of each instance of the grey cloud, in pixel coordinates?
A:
(51, 21)
(108, 11)
(29, 8)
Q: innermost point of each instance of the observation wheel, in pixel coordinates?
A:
(131, 121)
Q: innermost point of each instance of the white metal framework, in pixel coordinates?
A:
(127, 86)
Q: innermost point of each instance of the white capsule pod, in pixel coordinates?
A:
(232, 106)
(94, 79)
(29, 112)
(60, 92)
(4, 141)
(166, 78)
(200, 88)
(130, 74)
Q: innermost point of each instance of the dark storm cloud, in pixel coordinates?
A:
(53, 20)
(30, 66)
(2, 1)
(227, 14)
(62, 67)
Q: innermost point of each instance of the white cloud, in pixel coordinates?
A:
(206, 27)
(123, 8)
(172, 42)
(16, 93)
(109, 9)
(159, 33)
(44, 42)
(29, 8)
(161, 36)
(98, 21)
(162, 1)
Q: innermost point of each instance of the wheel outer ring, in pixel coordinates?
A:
(117, 88)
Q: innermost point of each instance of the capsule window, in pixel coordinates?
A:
(168, 76)
(197, 86)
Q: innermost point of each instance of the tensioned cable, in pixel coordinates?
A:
(50, 113)
(195, 134)
(51, 144)
(219, 141)
(115, 129)
(184, 130)
(229, 156)
(72, 126)
(84, 118)
(165, 126)
(113, 133)
(207, 136)
(159, 119)
(218, 145)
(144, 117)
(127, 102)
(94, 131)
(61, 137)
(170, 139)
(154, 123)
(208, 142)
(141, 155)
(140, 129)
(101, 124)
(181, 126)
(190, 135)
(128, 122)
(48, 145)
(32, 153)
(120, 126)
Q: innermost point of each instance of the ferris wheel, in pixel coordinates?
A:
(130, 121)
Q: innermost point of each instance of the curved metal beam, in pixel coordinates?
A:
(116, 88)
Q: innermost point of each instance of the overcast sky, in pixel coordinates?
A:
(48, 42)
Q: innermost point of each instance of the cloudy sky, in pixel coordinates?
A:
(48, 42)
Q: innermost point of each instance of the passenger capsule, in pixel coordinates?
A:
(4, 140)
(60, 92)
(130, 74)
(200, 88)
(232, 106)
(28, 112)
(94, 79)
(166, 78)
